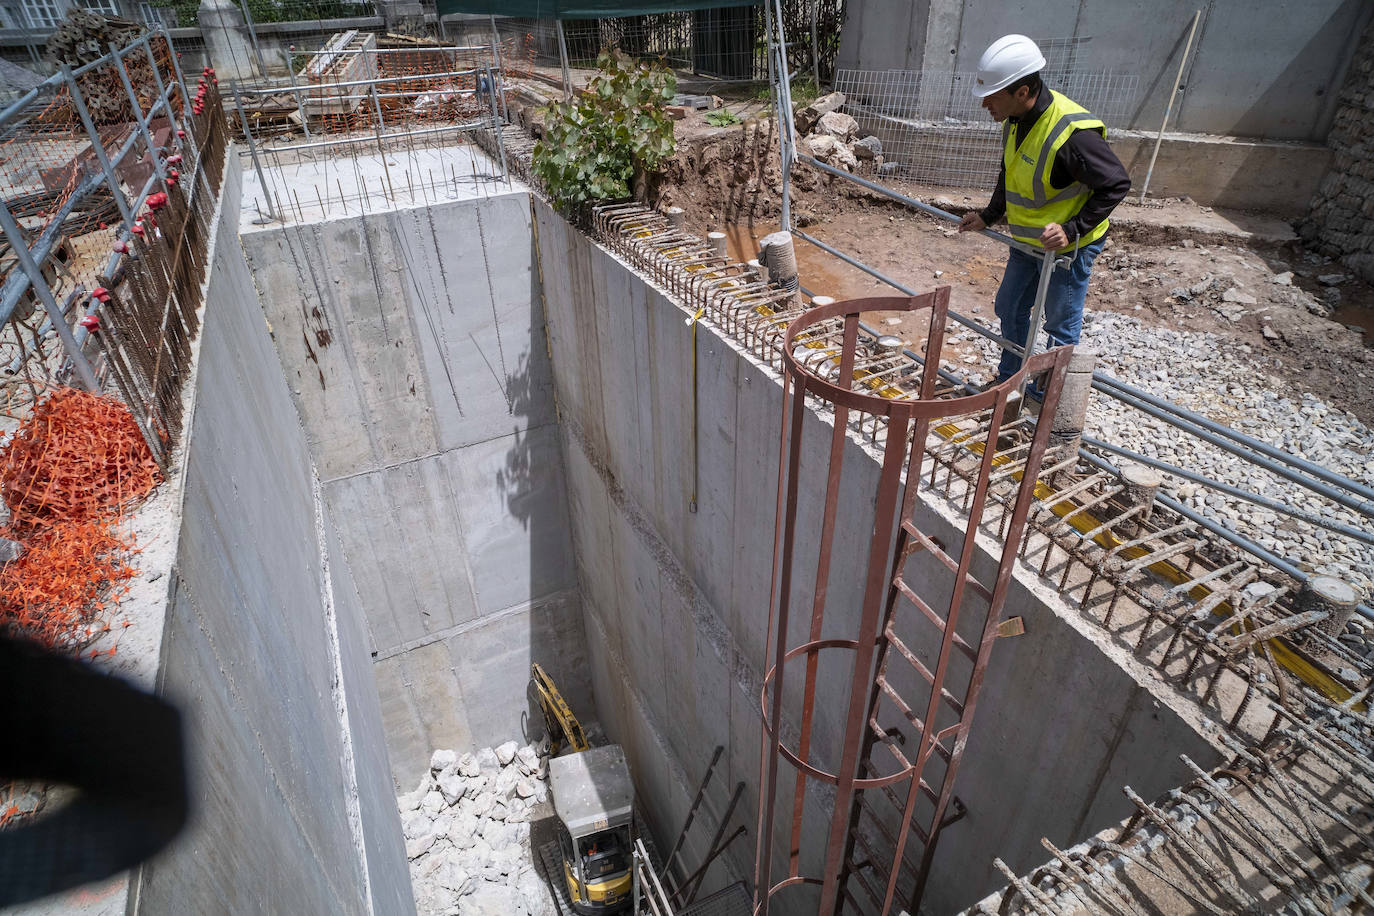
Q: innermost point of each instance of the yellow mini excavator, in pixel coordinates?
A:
(593, 799)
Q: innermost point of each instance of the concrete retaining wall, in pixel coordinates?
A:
(1268, 70)
(413, 343)
(677, 601)
(264, 649)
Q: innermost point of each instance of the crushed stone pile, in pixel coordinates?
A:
(467, 832)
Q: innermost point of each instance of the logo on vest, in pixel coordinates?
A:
(1027, 159)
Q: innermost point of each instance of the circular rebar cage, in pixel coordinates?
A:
(869, 697)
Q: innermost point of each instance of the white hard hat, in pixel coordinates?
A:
(1005, 61)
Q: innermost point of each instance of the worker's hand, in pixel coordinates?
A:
(1054, 237)
(972, 222)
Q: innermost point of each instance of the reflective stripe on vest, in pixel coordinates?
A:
(1032, 202)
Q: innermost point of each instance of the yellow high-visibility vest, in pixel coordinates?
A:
(1033, 202)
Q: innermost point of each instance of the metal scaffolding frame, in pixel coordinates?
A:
(129, 323)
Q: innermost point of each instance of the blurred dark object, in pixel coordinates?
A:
(119, 747)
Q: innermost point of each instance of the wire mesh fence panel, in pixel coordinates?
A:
(933, 129)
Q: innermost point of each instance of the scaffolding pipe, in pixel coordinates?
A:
(563, 59)
(1364, 507)
(253, 152)
(1263, 448)
(372, 138)
(20, 247)
(319, 88)
(1358, 534)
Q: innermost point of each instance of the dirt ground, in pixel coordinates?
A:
(1241, 276)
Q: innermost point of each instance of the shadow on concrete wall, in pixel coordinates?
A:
(533, 462)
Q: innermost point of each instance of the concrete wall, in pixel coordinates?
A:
(413, 343)
(676, 601)
(264, 649)
(1274, 178)
(1269, 69)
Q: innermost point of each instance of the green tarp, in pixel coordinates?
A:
(579, 9)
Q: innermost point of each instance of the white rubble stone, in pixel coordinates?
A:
(822, 146)
(505, 753)
(839, 125)
(420, 845)
(429, 863)
(452, 787)
(1235, 295)
(868, 148)
(496, 833)
(435, 899)
(505, 782)
(535, 893)
(440, 759)
(453, 876)
(468, 836)
(528, 758)
(483, 803)
(416, 824)
(464, 827)
(476, 856)
(805, 119)
(507, 858)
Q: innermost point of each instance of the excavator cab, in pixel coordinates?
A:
(593, 798)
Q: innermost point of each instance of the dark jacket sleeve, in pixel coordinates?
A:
(997, 206)
(1087, 158)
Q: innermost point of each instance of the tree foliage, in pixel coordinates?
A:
(595, 145)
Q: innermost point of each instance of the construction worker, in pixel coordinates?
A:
(1059, 181)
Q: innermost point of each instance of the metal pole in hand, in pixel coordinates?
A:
(1038, 311)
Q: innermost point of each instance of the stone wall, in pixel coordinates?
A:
(1341, 223)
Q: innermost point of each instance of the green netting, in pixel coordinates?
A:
(580, 9)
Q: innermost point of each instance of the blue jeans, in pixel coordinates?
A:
(1063, 301)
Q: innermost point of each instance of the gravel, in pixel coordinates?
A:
(1213, 375)
(467, 833)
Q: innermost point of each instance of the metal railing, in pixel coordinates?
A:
(105, 206)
